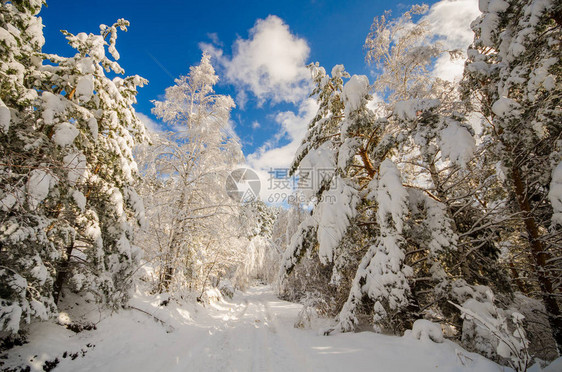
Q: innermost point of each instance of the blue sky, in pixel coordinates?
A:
(259, 47)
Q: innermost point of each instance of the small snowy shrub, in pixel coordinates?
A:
(508, 338)
(306, 316)
(424, 330)
(314, 307)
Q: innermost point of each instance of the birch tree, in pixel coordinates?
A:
(192, 219)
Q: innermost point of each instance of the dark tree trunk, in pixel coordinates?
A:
(166, 280)
(517, 278)
(540, 258)
(62, 273)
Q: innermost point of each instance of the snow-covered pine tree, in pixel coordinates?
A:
(422, 126)
(453, 234)
(27, 255)
(382, 274)
(343, 152)
(192, 220)
(423, 112)
(68, 205)
(319, 151)
(95, 129)
(513, 74)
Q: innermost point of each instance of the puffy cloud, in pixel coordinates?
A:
(448, 69)
(293, 127)
(450, 21)
(271, 63)
(271, 156)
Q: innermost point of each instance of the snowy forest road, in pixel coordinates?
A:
(254, 338)
(254, 331)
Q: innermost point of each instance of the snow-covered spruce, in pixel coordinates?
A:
(512, 77)
(66, 218)
(395, 258)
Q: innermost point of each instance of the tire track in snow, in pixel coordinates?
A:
(252, 339)
(288, 343)
(215, 351)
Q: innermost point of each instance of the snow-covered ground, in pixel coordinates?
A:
(252, 332)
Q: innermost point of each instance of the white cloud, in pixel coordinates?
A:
(271, 63)
(295, 125)
(214, 38)
(149, 123)
(270, 156)
(450, 21)
(448, 69)
(241, 99)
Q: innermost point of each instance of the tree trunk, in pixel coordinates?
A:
(166, 278)
(62, 273)
(167, 274)
(367, 163)
(517, 278)
(540, 257)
